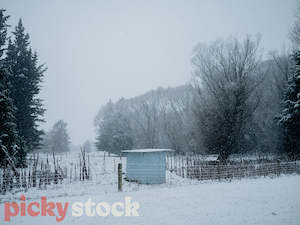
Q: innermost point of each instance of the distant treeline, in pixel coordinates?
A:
(235, 103)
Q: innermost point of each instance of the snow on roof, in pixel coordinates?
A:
(148, 150)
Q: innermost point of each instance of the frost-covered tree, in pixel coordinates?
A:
(145, 117)
(114, 131)
(160, 118)
(8, 131)
(87, 146)
(45, 142)
(290, 116)
(177, 121)
(267, 133)
(26, 78)
(59, 140)
(9, 139)
(227, 74)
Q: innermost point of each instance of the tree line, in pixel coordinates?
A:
(21, 110)
(236, 102)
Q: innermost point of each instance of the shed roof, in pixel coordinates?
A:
(148, 150)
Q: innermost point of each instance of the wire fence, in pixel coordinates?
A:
(84, 173)
(195, 167)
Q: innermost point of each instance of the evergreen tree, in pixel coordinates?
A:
(59, 137)
(290, 116)
(8, 132)
(87, 146)
(114, 133)
(46, 142)
(26, 78)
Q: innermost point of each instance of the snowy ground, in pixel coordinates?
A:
(248, 201)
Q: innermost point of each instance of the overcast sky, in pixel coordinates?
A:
(97, 50)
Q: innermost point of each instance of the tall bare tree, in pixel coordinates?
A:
(226, 76)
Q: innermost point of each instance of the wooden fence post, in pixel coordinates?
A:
(119, 176)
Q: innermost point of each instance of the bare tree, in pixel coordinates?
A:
(268, 132)
(145, 121)
(177, 119)
(280, 71)
(226, 76)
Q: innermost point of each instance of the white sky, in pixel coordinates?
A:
(97, 50)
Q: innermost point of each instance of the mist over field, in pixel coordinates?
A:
(150, 112)
(101, 50)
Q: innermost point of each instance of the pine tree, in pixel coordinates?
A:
(8, 132)
(59, 137)
(26, 78)
(290, 116)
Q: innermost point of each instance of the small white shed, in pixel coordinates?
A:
(146, 166)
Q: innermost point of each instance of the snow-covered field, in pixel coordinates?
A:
(248, 201)
(178, 201)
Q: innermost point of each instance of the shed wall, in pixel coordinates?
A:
(146, 167)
